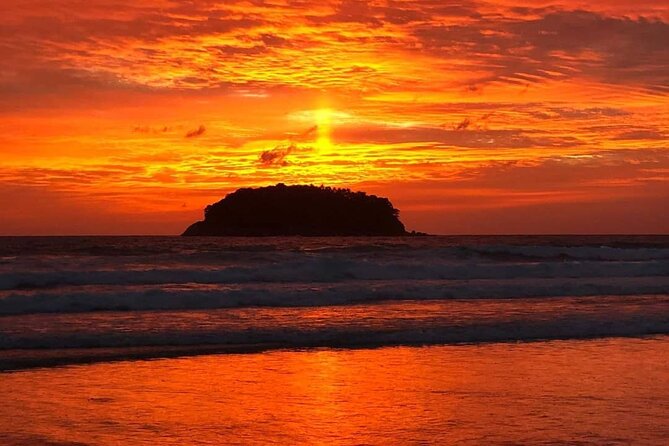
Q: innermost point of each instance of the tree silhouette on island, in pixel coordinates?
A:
(299, 210)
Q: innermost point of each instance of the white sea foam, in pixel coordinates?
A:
(139, 298)
(331, 269)
(48, 285)
(297, 329)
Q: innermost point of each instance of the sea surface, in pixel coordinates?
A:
(151, 295)
(413, 340)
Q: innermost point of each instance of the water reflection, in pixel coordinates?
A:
(607, 391)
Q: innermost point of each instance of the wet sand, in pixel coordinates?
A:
(608, 391)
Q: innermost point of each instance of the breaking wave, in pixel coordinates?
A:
(310, 294)
(165, 296)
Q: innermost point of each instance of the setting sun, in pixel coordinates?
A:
(334, 222)
(324, 126)
(471, 123)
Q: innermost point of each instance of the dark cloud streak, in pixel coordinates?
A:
(196, 132)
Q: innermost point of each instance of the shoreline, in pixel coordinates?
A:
(605, 391)
(19, 360)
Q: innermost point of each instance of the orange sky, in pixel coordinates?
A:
(128, 117)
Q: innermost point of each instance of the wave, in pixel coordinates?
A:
(55, 349)
(624, 247)
(601, 253)
(142, 298)
(330, 269)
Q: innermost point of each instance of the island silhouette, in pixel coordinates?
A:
(304, 210)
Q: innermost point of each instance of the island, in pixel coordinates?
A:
(300, 210)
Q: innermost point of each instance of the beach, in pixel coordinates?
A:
(334, 222)
(408, 340)
(610, 391)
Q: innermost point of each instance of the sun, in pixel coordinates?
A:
(324, 125)
(322, 121)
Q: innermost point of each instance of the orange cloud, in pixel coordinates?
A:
(196, 132)
(453, 109)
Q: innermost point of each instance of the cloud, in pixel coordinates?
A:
(463, 125)
(378, 14)
(477, 138)
(641, 135)
(277, 156)
(560, 44)
(196, 132)
(145, 129)
(166, 175)
(82, 25)
(306, 135)
(606, 169)
(578, 113)
(201, 45)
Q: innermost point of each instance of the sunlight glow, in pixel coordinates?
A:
(324, 125)
(131, 122)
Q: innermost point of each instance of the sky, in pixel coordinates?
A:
(472, 117)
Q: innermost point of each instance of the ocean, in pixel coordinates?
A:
(449, 322)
